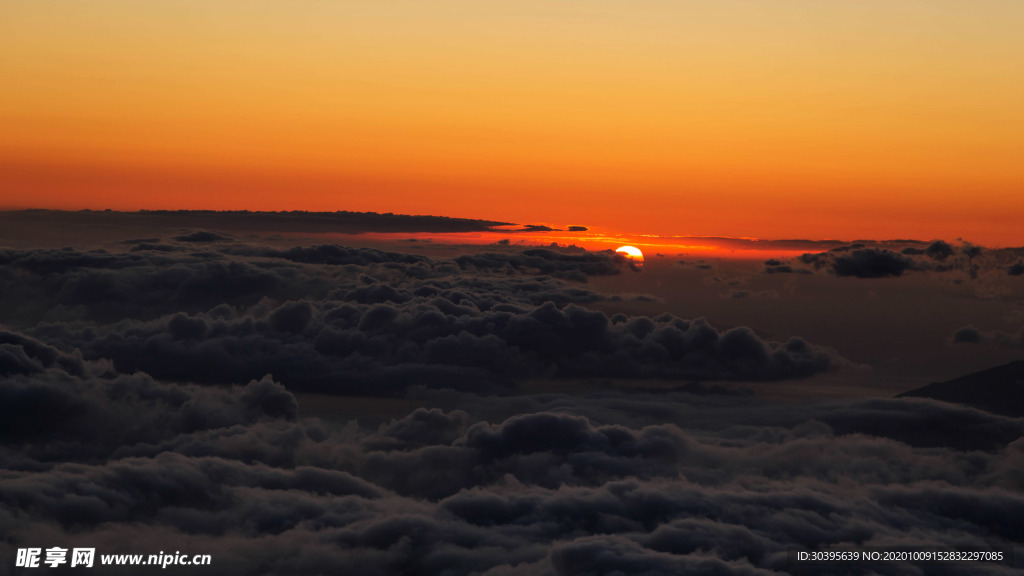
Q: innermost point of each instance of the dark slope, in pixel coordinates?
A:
(999, 390)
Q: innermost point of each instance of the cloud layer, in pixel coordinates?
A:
(898, 257)
(151, 400)
(687, 484)
(344, 320)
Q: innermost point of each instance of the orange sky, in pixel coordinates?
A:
(790, 118)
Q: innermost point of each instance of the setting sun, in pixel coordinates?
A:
(633, 255)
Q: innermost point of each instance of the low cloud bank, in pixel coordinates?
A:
(966, 261)
(362, 321)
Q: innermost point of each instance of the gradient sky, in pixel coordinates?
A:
(790, 118)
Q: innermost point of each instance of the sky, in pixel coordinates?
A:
(871, 119)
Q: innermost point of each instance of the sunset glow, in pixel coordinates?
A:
(798, 119)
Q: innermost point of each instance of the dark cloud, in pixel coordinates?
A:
(350, 347)
(785, 269)
(971, 335)
(817, 261)
(202, 236)
(776, 266)
(618, 555)
(570, 266)
(967, 335)
(939, 250)
(964, 262)
(849, 247)
(534, 228)
(971, 251)
(69, 284)
(707, 484)
(150, 400)
(345, 320)
(330, 254)
(20, 354)
(519, 496)
(151, 247)
(244, 220)
(871, 263)
(59, 415)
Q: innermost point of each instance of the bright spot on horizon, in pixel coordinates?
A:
(633, 255)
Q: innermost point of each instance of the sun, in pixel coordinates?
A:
(633, 255)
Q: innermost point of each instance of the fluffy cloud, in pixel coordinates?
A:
(149, 402)
(870, 263)
(344, 320)
(234, 473)
(891, 259)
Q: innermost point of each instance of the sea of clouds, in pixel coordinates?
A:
(150, 400)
